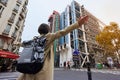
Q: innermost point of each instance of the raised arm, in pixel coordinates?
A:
(70, 28)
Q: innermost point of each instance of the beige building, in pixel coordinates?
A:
(12, 18)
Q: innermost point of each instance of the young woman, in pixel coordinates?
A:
(48, 69)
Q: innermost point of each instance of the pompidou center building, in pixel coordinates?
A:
(79, 46)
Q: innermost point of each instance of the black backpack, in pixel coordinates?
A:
(32, 57)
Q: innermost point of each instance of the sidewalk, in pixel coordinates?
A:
(9, 75)
(111, 71)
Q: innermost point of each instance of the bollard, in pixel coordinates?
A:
(89, 71)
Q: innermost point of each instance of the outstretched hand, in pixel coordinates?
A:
(82, 20)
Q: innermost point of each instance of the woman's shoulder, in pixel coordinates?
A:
(49, 34)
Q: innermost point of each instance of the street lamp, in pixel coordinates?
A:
(89, 71)
(88, 61)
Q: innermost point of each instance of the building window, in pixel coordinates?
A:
(4, 2)
(19, 1)
(14, 33)
(1, 43)
(19, 22)
(1, 10)
(12, 17)
(25, 4)
(16, 8)
(7, 29)
(23, 13)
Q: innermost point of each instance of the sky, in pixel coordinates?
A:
(39, 11)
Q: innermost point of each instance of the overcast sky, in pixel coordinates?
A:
(40, 10)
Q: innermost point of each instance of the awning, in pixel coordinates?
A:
(7, 54)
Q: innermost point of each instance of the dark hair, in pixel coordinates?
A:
(43, 28)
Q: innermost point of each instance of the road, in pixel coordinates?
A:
(82, 75)
(71, 75)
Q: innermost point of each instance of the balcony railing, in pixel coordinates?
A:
(6, 32)
(14, 35)
(19, 1)
(11, 20)
(16, 10)
(22, 14)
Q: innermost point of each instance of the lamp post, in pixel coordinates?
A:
(89, 71)
(88, 61)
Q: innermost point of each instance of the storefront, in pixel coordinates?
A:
(6, 59)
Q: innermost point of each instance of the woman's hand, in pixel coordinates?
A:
(82, 20)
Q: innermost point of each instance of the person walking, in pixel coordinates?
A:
(64, 65)
(14, 63)
(68, 64)
(48, 69)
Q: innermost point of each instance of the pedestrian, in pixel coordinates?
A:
(4, 67)
(68, 64)
(65, 65)
(14, 63)
(48, 69)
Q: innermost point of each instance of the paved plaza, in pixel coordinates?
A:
(73, 74)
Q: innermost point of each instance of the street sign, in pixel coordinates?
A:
(76, 52)
(76, 55)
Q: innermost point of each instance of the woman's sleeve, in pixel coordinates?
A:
(65, 31)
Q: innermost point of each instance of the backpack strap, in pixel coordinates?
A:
(40, 37)
(45, 45)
